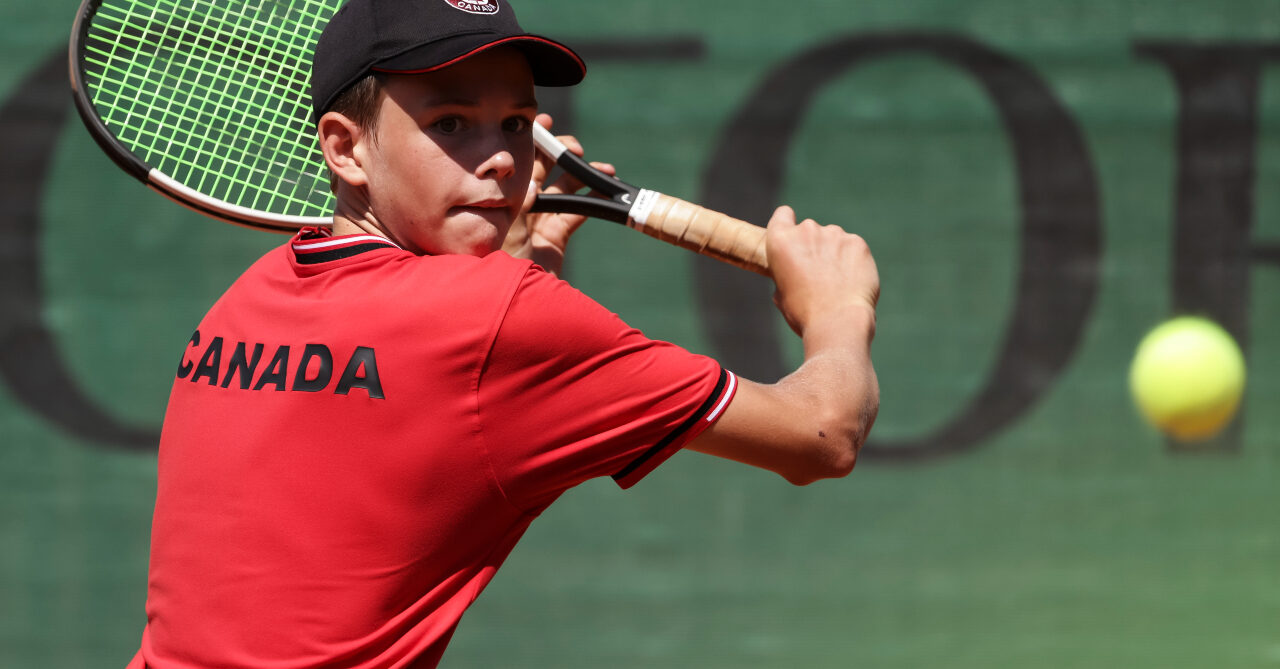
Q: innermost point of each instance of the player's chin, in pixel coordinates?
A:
(480, 230)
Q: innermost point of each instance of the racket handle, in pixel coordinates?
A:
(703, 231)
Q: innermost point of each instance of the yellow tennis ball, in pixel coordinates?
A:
(1187, 377)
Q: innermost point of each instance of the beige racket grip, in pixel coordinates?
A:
(700, 230)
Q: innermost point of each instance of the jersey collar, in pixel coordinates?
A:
(313, 246)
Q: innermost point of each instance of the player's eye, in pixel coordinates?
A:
(448, 125)
(516, 124)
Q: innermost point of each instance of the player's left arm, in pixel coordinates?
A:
(812, 422)
(544, 237)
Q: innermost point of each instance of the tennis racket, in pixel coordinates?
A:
(207, 103)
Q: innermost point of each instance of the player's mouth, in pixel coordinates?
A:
(485, 208)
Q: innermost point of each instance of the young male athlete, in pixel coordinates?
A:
(368, 420)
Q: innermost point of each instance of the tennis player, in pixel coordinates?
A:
(366, 422)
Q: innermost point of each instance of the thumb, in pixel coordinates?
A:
(783, 216)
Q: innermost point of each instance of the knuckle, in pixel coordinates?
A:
(857, 243)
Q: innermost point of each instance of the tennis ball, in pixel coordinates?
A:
(1187, 377)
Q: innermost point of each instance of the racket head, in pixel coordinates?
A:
(207, 102)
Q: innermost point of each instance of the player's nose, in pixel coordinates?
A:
(498, 159)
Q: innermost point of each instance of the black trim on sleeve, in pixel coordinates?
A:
(681, 429)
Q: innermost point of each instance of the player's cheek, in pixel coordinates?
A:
(518, 185)
(524, 166)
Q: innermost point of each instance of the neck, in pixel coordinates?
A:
(343, 225)
(353, 216)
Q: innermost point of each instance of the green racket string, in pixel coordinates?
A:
(215, 95)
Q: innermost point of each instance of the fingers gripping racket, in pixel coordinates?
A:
(206, 102)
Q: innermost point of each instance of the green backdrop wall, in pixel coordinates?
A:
(1041, 182)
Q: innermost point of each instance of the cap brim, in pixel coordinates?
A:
(552, 63)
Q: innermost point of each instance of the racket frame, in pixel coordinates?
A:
(153, 178)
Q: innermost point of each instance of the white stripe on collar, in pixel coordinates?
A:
(337, 241)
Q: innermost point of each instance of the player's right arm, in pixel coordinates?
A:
(812, 423)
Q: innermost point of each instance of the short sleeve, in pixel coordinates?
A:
(570, 392)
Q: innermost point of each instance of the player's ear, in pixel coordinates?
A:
(341, 142)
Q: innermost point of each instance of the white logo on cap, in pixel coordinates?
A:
(475, 6)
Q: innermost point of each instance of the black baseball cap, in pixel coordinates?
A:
(415, 36)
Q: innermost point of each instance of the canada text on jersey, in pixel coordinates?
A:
(312, 372)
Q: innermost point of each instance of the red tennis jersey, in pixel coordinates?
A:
(358, 436)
